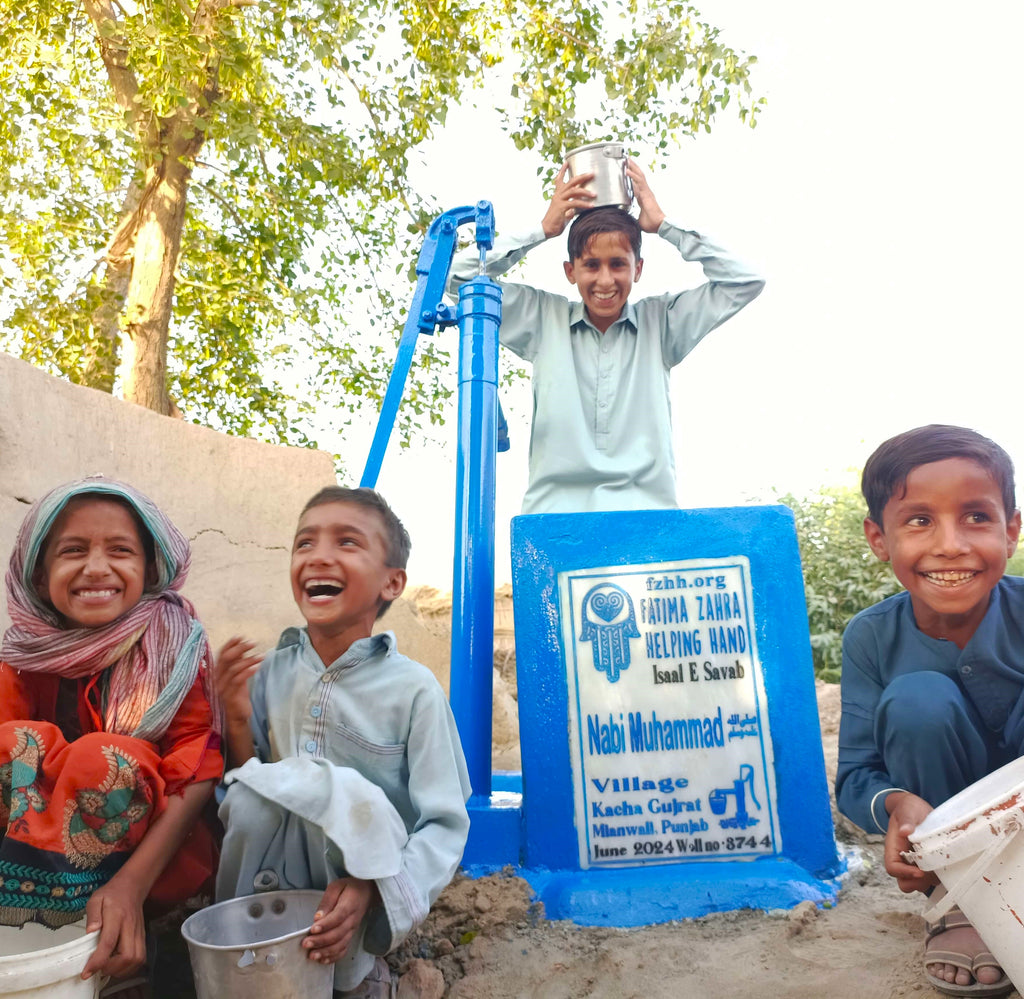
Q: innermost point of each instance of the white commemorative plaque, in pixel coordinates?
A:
(668, 723)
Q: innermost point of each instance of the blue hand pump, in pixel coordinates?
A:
(481, 432)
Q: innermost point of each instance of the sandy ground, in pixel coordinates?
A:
(484, 940)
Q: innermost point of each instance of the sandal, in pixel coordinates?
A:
(955, 919)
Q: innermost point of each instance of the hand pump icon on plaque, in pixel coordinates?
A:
(739, 790)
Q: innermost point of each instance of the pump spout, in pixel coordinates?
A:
(427, 312)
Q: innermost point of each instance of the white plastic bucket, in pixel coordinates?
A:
(971, 842)
(39, 963)
(251, 948)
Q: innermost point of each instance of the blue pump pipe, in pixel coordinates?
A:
(482, 431)
(472, 659)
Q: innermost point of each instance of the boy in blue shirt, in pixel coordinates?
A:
(602, 430)
(352, 779)
(933, 678)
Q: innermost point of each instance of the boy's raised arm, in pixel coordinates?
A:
(234, 666)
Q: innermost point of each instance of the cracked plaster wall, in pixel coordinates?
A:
(236, 500)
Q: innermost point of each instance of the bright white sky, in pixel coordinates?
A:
(881, 196)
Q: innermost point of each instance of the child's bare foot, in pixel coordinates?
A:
(957, 961)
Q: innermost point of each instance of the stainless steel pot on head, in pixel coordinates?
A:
(607, 162)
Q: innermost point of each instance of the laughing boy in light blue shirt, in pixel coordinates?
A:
(351, 776)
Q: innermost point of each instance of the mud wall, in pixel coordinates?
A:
(235, 499)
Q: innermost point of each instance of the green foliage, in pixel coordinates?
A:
(296, 122)
(841, 575)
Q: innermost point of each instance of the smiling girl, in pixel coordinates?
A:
(109, 744)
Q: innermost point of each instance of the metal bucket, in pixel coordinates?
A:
(252, 947)
(607, 162)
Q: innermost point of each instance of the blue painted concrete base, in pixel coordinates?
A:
(495, 830)
(662, 894)
(640, 897)
(634, 896)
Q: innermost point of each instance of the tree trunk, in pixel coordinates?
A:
(160, 219)
(150, 240)
(101, 353)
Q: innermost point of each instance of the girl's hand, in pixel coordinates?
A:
(116, 911)
(234, 665)
(570, 197)
(343, 907)
(116, 908)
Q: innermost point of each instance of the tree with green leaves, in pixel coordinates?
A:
(208, 200)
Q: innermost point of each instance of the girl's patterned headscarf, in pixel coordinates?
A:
(155, 651)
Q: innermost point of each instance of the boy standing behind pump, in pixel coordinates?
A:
(601, 436)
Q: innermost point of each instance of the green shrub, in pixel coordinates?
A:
(841, 575)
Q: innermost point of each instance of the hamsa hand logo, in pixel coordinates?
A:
(608, 624)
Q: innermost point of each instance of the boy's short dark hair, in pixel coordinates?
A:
(887, 469)
(396, 538)
(592, 223)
